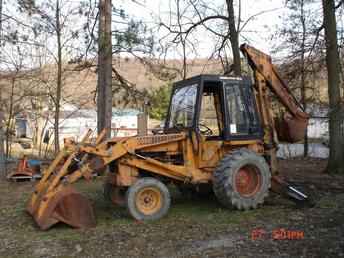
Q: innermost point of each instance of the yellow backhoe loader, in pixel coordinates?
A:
(220, 132)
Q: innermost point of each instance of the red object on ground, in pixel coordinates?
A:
(23, 169)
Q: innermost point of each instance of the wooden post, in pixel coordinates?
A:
(142, 126)
(142, 120)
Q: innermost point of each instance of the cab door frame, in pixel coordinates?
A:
(255, 130)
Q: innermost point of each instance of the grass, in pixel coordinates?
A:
(327, 203)
(205, 211)
(189, 221)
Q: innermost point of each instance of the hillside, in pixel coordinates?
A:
(79, 83)
(80, 86)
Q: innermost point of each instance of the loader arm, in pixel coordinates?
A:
(53, 195)
(54, 200)
(293, 126)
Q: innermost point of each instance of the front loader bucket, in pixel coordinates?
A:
(54, 199)
(291, 129)
(65, 205)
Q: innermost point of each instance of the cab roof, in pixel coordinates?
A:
(209, 77)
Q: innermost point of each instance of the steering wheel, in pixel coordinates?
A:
(207, 131)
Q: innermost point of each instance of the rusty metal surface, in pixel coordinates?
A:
(65, 205)
(155, 139)
(291, 129)
(54, 200)
(262, 63)
(23, 169)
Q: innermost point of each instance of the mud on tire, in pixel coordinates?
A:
(242, 180)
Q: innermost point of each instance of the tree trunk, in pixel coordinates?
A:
(234, 38)
(182, 40)
(9, 120)
(2, 149)
(104, 87)
(1, 3)
(303, 72)
(336, 125)
(2, 152)
(59, 78)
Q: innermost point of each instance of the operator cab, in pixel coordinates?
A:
(218, 107)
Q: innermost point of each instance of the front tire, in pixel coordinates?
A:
(242, 180)
(148, 199)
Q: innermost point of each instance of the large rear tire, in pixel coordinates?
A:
(242, 180)
(148, 199)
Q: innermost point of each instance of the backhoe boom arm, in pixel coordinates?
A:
(296, 122)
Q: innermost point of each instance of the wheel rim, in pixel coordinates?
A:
(248, 180)
(149, 200)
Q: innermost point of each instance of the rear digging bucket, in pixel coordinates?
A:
(291, 129)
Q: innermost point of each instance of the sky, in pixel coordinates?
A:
(257, 32)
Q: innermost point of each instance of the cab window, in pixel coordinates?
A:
(238, 115)
(210, 117)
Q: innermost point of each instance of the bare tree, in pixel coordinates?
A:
(335, 163)
(1, 4)
(186, 24)
(55, 18)
(16, 83)
(189, 18)
(233, 36)
(116, 35)
(297, 32)
(2, 157)
(2, 152)
(58, 30)
(303, 72)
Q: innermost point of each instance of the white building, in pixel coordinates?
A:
(76, 122)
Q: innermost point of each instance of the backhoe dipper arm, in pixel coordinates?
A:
(290, 129)
(294, 125)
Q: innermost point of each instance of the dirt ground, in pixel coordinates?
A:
(193, 228)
